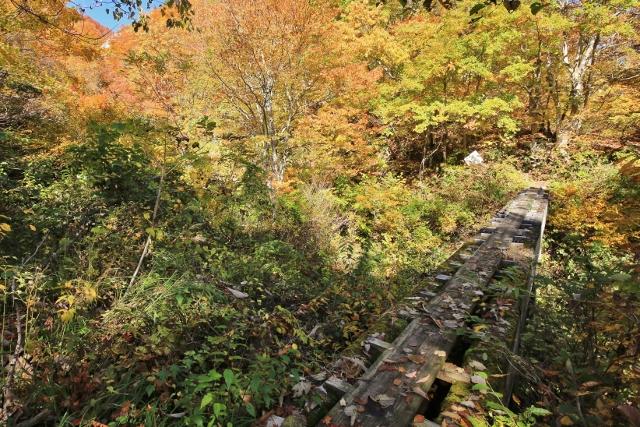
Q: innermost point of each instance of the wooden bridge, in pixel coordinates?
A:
(386, 395)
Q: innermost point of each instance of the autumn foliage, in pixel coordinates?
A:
(197, 219)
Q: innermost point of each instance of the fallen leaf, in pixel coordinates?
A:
(418, 419)
(416, 358)
(566, 421)
(468, 404)
(361, 400)
(351, 412)
(274, 421)
(474, 364)
(451, 373)
(477, 379)
(123, 410)
(397, 381)
(589, 384)
(451, 324)
(358, 362)
(301, 389)
(387, 368)
(384, 400)
(320, 376)
(238, 294)
(440, 353)
(452, 415)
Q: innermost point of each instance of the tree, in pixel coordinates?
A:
(457, 87)
(270, 62)
(590, 29)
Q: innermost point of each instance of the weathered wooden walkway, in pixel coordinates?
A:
(395, 387)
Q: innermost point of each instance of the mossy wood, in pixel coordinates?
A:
(396, 385)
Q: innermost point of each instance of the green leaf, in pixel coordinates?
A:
(536, 7)
(477, 8)
(99, 230)
(494, 405)
(219, 409)
(150, 389)
(480, 387)
(214, 375)
(477, 422)
(538, 412)
(251, 410)
(206, 400)
(228, 377)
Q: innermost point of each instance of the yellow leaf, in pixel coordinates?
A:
(5, 227)
(90, 293)
(566, 421)
(32, 227)
(69, 299)
(67, 315)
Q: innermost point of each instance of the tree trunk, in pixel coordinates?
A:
(275, 158)
(578, 67)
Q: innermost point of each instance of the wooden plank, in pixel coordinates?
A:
(396, 385)
(537, 217)
(337, 385)
(378, 344)
(443, 277)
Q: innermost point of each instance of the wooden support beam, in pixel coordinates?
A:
(337, 385)
(443, 277)
(396, 385)
(378, 344)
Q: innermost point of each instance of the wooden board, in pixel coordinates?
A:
(396, 385)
